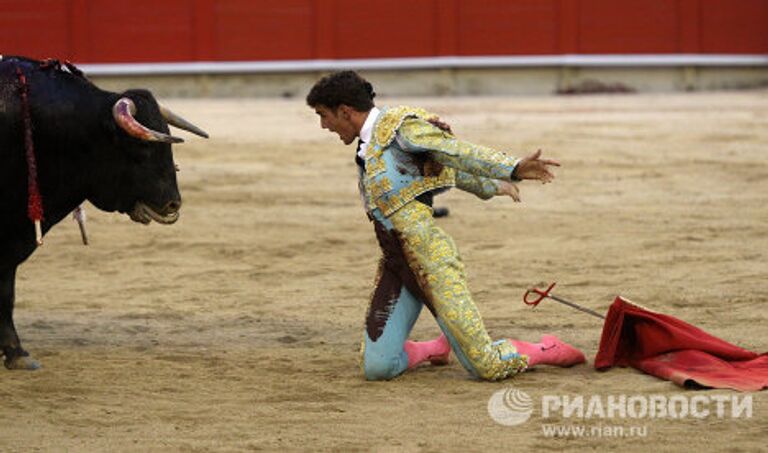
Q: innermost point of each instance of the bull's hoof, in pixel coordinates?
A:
(21, 361)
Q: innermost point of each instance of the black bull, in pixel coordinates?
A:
(112, 149)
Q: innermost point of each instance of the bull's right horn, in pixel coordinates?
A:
(123, 112)
(175, 120)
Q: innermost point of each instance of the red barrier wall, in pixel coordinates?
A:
(108, 31)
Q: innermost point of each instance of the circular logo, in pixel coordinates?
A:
(510, 407)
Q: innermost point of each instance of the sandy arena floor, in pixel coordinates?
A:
(238, 327)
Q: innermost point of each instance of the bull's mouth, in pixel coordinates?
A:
(143, 213)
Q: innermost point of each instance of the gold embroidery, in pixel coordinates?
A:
(389, 122)
(380, 187)
(484, 188)
(395, 201)
(434, 259)
(467, 157)
(436, 173)
(373, 152)
(374, 166)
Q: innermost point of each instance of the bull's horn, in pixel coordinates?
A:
(123, 112)
(175, 120)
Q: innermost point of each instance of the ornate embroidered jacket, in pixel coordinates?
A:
(408, 156)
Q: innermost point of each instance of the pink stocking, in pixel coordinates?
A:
(549, 351)
(436, 351)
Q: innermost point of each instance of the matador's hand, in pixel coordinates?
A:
(534, 167)
(509, 189)
(437, 122)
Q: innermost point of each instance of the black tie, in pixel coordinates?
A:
(358, 160)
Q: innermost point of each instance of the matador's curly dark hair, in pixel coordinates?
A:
(343, 87)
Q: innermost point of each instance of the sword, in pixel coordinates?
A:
(546, 294)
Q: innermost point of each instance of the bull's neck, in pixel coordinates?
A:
(62, 187)
(65, 117)
(65, 161)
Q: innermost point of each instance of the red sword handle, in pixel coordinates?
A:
(542, 294)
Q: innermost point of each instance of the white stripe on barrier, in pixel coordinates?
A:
(235, 67)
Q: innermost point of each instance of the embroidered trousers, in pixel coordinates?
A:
(421, 266)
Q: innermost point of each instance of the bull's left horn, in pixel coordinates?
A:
(123, 112)
(175, 120)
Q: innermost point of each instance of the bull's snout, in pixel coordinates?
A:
(172, 206)
(144, 212)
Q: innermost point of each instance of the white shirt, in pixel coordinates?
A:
(367, 131)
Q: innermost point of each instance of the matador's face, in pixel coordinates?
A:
(338, 121)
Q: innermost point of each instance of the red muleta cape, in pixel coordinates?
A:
(671, 349)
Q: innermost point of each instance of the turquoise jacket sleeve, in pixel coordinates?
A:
(484, 188)
(418, 135)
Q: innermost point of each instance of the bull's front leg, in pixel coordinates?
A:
(16, 358)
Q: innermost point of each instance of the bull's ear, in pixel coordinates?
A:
(123, 112)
